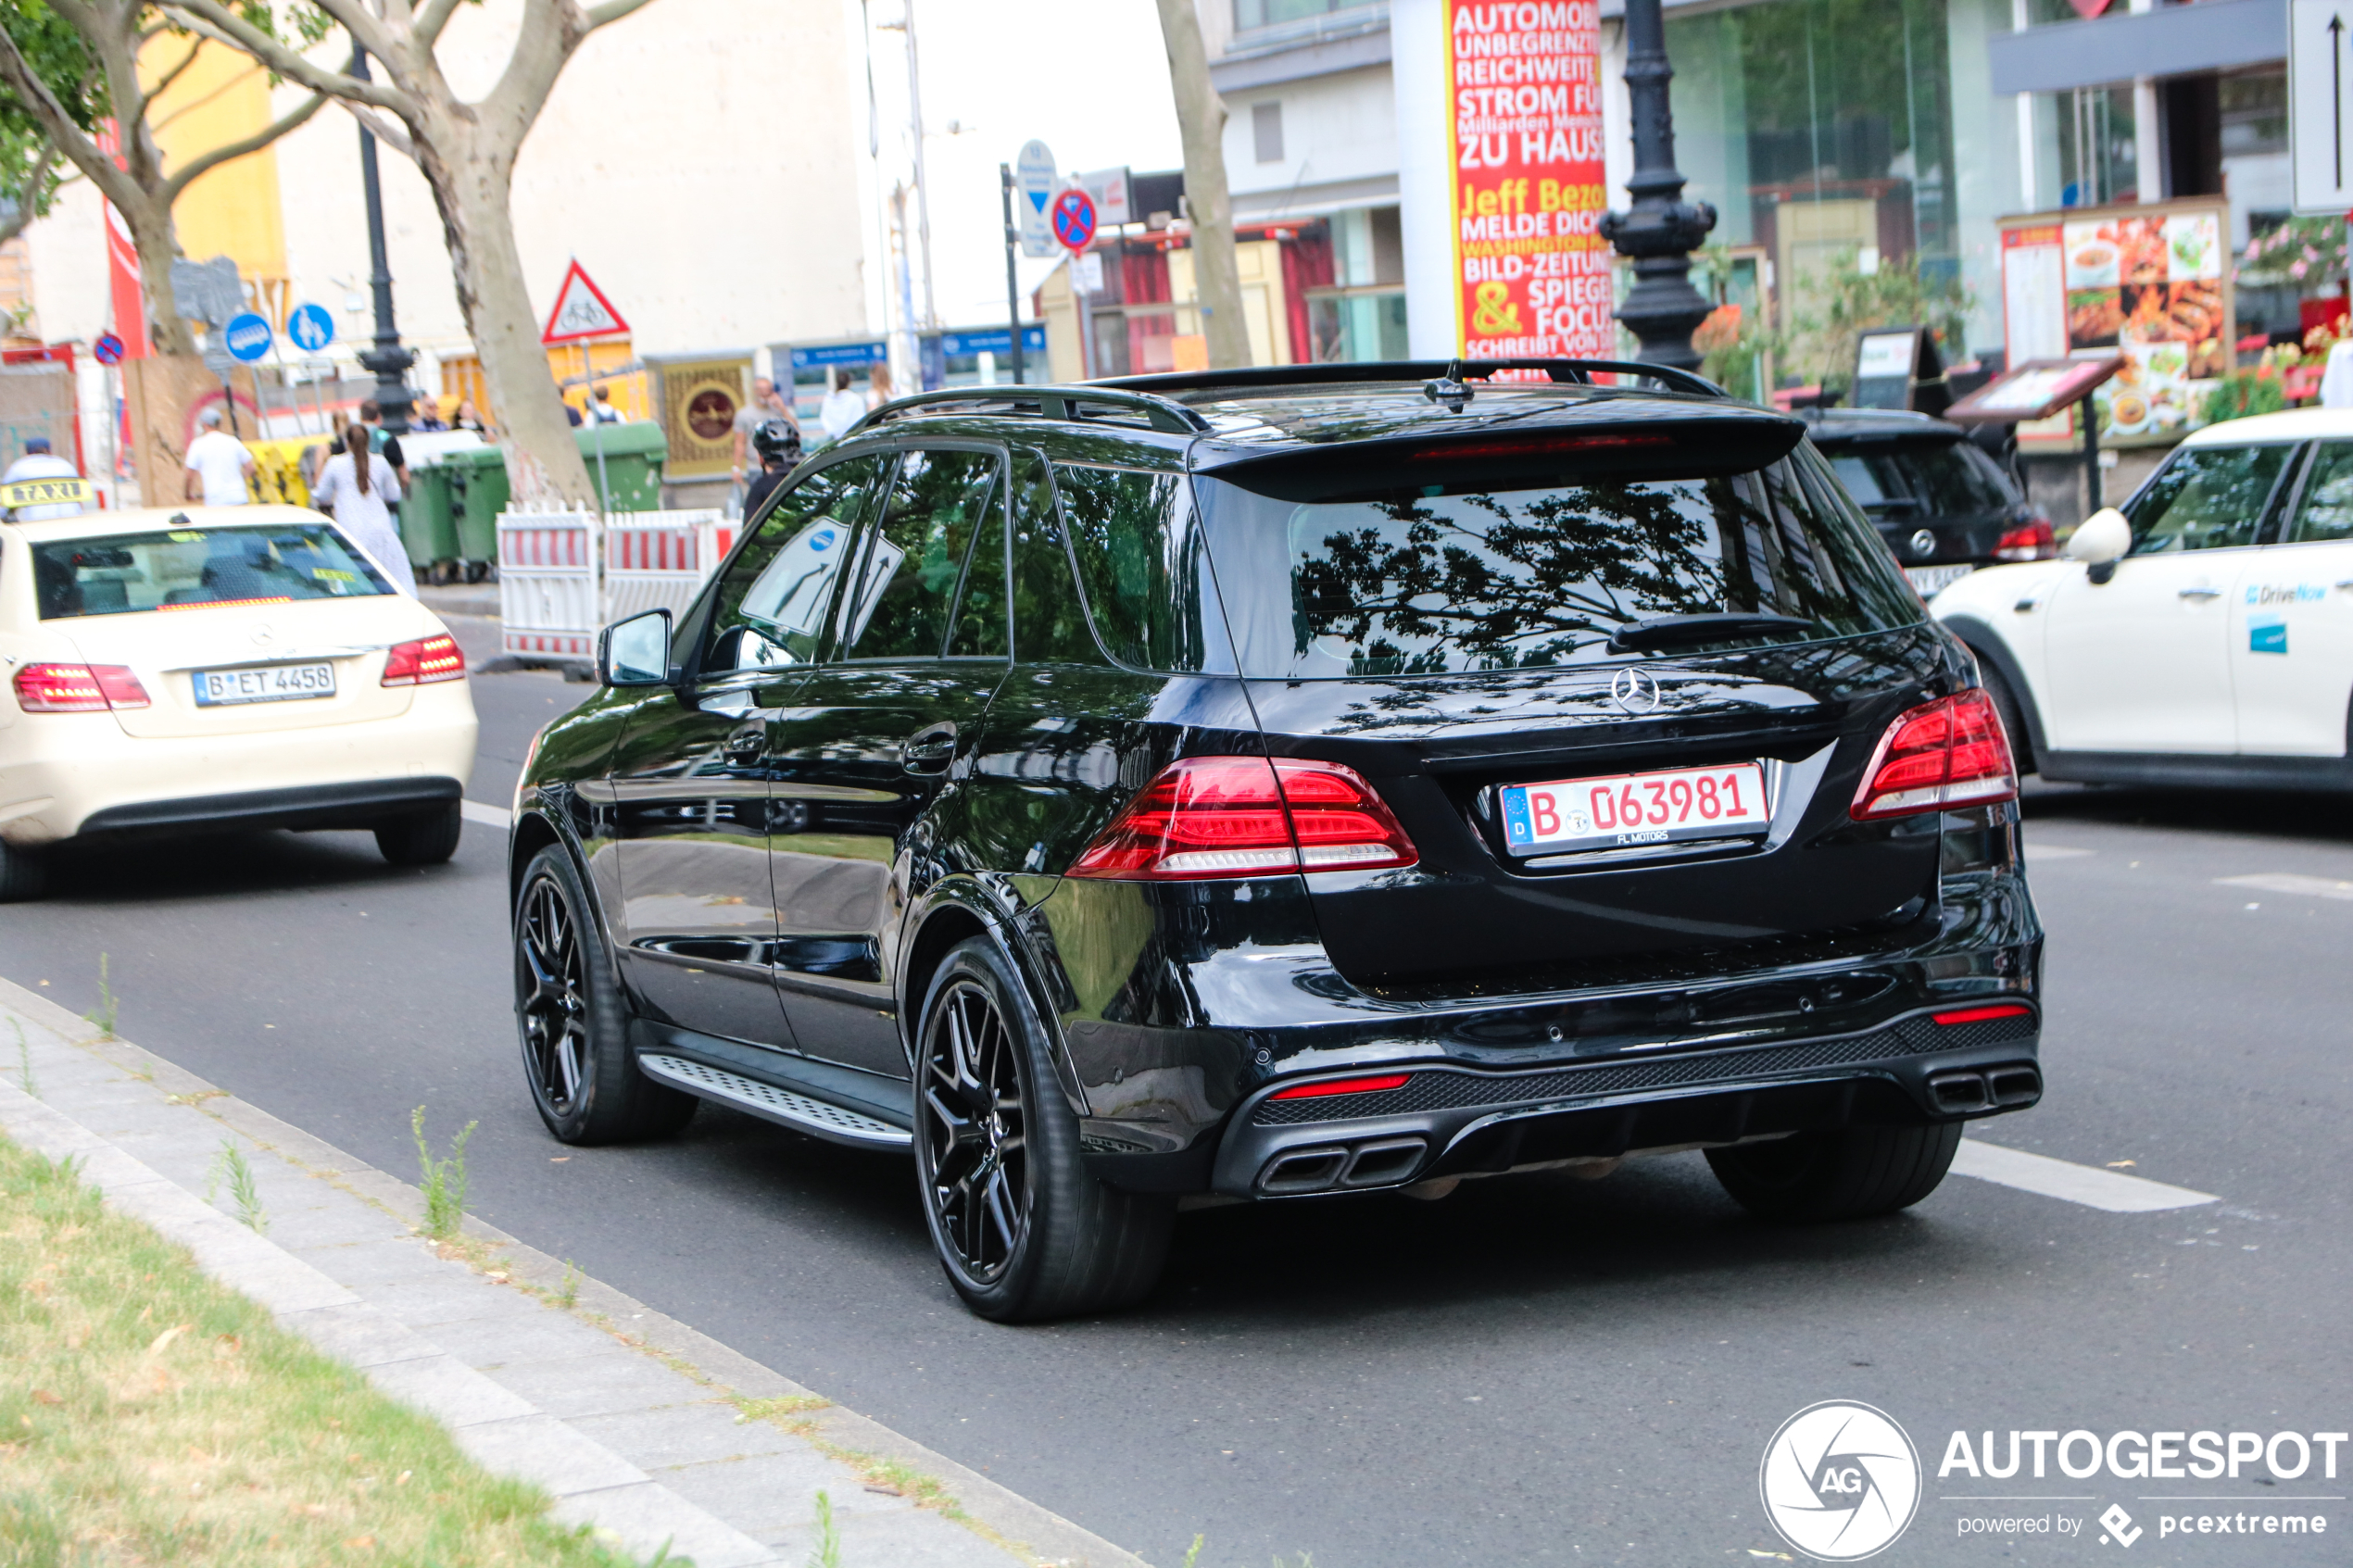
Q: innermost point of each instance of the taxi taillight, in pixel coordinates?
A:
(422, 662)
(78, 688)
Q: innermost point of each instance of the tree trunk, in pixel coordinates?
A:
(543, 460)
(1200, 116)
(149, 220)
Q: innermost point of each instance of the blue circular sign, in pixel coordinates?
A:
(107, 350)
(248, 336)
(1074, 220)
(312, 328)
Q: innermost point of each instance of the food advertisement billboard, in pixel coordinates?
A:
(2148, 283)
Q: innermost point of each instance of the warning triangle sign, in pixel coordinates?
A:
(582, 311)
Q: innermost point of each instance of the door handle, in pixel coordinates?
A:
(928, 749)
(744, 745)
(2200, 593)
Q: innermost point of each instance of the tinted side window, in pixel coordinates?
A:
(912, 560)
(1137, 546)
(2206, 498)
(1049, 623)
(2325, 514)
(771, 602)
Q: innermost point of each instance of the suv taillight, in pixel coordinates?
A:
(78, 688)
(2032, 540)
(422, 662)
(1949, 752)
(1244, 816)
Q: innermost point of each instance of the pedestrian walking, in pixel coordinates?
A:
(358, 488)
(767, 403)
(601, 408)
(841, 409)
(218, 466)
(878, 388)
(371, 416)
(469, 417)
(40, 462)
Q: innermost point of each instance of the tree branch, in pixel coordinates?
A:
(613, 11)
(432, 18)
(365, 29)
(149, 94)
(391, 134)
(181, 179)
(217, 21)
(34, 94)
(29, 204)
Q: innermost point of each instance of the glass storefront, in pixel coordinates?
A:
(1361, 314)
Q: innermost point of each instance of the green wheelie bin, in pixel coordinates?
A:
(427, 531)
(479, 491)
(624, 463)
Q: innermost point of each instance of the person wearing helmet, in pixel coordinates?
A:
(778, 445)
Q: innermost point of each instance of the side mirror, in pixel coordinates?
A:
(634, 652)
(2100, 542)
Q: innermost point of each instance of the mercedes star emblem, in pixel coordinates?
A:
(264, 634)
(1635, 691)
(1923, 544)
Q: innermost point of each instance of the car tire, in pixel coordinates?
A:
(2013, 717)
(1023, 1228)
(572, 1023)
(1846, 1174)
(425, 838)
(24, 873)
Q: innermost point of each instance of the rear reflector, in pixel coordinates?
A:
(78, 688)
(1979, 1015)
(422, 662)
(1245, 816)
(1371, 1085)
(1949, 752)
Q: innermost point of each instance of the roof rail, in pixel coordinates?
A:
(1580, 372)
(1065, 403)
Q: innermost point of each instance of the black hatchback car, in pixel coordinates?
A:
(1943, 505)
(1282, 784)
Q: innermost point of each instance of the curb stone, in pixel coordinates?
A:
(504, 1430)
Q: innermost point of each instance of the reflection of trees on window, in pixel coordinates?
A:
(1508, 580)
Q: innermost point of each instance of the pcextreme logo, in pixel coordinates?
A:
(1840, 1480)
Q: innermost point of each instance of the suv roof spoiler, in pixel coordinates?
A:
(1127, 397)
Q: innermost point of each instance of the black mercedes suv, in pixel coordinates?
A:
(1283, 784)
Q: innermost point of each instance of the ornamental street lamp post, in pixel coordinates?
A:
(1659, 232)
(387, 359)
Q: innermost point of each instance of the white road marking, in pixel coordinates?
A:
(2054, 852)
(488, 815)
(2289, 881)
(2111, 1190)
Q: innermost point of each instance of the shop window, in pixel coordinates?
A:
(1249, 14)
(1266, 131)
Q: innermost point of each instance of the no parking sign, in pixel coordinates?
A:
(1074, 220)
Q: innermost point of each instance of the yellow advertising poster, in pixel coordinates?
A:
(698, 404)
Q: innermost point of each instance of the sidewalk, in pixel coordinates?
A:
(637, 1423)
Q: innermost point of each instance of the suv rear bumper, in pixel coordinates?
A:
(1449, 1121)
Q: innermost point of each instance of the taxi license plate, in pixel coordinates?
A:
(270, 682)
(1625, 809)
(1929, 581)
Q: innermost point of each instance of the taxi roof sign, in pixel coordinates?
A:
(45, 493)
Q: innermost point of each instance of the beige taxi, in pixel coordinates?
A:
(180, 670)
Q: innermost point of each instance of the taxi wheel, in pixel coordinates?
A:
(1845, 1175)
(573, 1026)
(24, 873)
(426, 839)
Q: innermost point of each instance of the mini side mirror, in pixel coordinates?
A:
(634, 652)
(2100, 541)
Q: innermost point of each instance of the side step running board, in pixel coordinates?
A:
(783, 1106)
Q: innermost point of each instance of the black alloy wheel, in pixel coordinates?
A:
(980, 1156)
(572, 1024)
(1024, 1229)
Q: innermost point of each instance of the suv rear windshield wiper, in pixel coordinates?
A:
(1675, 631)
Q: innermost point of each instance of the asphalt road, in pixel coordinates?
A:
(1531, 1371)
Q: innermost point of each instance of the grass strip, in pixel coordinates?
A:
(150, 1415)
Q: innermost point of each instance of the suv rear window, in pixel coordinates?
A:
(1946, 477)
(1458, 577)
(183, 568)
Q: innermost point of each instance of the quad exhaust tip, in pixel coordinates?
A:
(1342, 1167)
(1994, 1088)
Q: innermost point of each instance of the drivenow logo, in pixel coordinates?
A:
(1840, 1480)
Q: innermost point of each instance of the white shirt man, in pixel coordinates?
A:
(39, 462)
(841, 409)
(217, 466)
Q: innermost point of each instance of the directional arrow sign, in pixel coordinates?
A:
(2320, 35)
(1034, 186)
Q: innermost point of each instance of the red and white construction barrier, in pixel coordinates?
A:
(563, 575)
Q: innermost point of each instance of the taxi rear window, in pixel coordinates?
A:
(187, 568)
